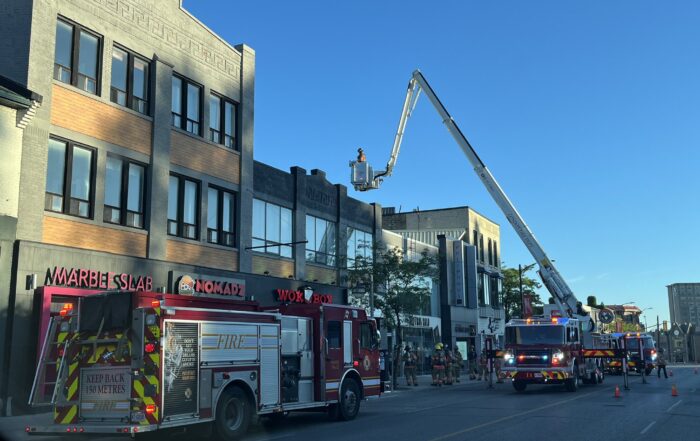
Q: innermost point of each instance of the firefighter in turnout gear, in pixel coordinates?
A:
(409, 366)
(457, 364)
(449, 359)
(438, 364)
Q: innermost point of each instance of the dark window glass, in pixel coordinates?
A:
(535, 335)
(186, 104)
(365, 336)
(272, 226)
(359, 246)
(495, 253)
(214, 118)
(87, 65)
(183, 203)
(129, 80)
(333, 334)
(135, 191)
(76, 57)
(113, 190)
(69, 179)
(55, 175)
(490, 245)
(124, 180)
(481, 247)
(64, 52)
(229, 125)
(177, 102)
(220, 217)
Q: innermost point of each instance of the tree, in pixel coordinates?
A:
(512, 300)
(592, 301)
(401, 286)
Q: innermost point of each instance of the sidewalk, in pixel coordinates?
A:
(424, 382)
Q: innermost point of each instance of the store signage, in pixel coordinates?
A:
(87, 278)
(290, 295)
(190, 286)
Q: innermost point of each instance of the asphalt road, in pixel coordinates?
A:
(470, 411)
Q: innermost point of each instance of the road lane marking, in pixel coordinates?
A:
(510, 417)
(646, 429)
(671, 408)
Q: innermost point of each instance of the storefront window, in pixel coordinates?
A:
(321, 237)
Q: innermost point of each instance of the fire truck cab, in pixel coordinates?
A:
(135, 362)
(631, 342)
(547, 350)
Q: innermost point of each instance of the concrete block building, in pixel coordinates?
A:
(137, 170)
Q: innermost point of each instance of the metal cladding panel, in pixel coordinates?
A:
(229, 342)
(269, 365)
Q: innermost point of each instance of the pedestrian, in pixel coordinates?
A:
(457, 364)
(660, 363)
(484, 366)
(449, 359)
(471, 361)
(409, 366)
(438, 365)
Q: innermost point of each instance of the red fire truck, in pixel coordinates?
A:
(136, 362)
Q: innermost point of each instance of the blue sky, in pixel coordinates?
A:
(585, 112)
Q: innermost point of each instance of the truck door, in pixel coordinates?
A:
(333, 358)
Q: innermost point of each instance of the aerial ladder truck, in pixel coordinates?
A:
(570, 350)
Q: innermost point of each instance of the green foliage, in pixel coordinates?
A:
(512, 300)
(592, 301)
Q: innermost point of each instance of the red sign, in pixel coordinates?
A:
(289, 295)
(85, 278)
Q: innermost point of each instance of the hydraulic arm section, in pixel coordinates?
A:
(363, 178)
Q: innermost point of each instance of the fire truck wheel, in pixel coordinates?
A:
(233, 414)
(349, 404)
(519, 385)
(572, 383)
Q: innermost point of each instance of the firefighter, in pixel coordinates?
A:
(449, 359)
(484, 366)
(660, 363)
(457, 364)
(361, 157)
(497, 364)
(409, 367)
(438, 365)
(471, 362)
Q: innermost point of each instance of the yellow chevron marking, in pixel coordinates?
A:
(70, 415)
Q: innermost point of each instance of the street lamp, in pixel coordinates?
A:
(645, 316)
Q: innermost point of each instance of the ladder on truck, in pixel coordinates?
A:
(42, 388)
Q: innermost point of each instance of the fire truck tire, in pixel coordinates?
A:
(519, 385)
(233, 414)
(572, 383)
(349, 401)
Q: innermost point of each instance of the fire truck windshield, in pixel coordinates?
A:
(535, 335)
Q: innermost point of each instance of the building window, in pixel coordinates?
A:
(360, 246)
(76, 57)
(220, 217)
(321, 241)
(481, 248)
(490, 250)
(475, 242)
(483, 289)
(183, 204)
(69, 179)
(129, 80)
(186, 105)
(272, 227)
(124, 190)
(495, 253)
(494, 284)
(333, 335)
(222, 121)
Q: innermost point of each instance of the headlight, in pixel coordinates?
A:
(508, 357)
(653, 357)
(557, 356)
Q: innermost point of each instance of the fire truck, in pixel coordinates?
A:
(137, 362)
(567, 338)
(631, 342)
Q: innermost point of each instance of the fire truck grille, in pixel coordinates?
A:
(533, 357)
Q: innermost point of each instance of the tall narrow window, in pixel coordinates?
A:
(359, 247)
(183, 207)
(69, 179)
(475, 242)
(490, 250)
(124, 190)
(272, 228)
(481, 248)
(76, 56)
(321, 241)
(220, 217)
(495, 253)
(129, 80)
(222, 121)
(186, 105)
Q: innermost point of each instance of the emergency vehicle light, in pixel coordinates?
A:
(555, 320)
(149, 348)
(155, 304)
(150, 408)
(355, 363)
(68, 306)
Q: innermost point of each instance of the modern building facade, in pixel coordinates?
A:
(684, 303)
(471, 309)
(137, 172)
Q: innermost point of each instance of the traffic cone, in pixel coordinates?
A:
(617, 391)
(674, 391)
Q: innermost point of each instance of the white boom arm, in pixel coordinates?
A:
(364, 180)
